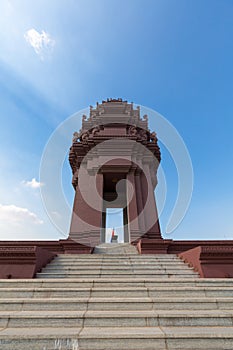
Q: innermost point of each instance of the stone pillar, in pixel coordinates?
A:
(140, 201)
(132, 208)
(152, 226)
(86, 219)
(126, 226)
(103, 228)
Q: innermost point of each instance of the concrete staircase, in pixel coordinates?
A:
(102, 301)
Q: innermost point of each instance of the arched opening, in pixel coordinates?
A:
(114, 213)
(114, 222)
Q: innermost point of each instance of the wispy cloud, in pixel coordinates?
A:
(32, 184)
(42, 43)
(14, 215)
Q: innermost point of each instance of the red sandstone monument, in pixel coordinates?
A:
(114, 160)
(114, 144)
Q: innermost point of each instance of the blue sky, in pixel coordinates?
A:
(173, 56)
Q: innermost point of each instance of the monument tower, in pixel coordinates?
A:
(114, 160)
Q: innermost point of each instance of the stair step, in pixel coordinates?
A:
(114, 303)
(117, 259)
(111, 268)
(124, 271)
(93, 256)
(69, 275)
(142, 318)
(120, 264)
(63, 292)
(118, 282)
(124, 338)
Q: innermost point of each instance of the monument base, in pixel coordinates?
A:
(23, 259)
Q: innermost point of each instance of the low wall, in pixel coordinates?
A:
(210, 261)
(23, 262)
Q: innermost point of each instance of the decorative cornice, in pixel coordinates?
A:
(217, 252)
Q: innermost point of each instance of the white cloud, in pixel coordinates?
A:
(16, 216)
(56, 214)
(42, 43)
(32, 184)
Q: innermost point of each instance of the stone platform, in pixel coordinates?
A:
(115, 248)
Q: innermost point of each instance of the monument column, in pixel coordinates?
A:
(141, 221)
(87, 219)
(151, 215)
(133, 225)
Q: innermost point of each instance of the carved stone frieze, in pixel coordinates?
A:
(84, 136)
(133, 130)
(113, 118)
(76, 136)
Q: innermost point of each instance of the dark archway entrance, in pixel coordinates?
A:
(114, 197)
